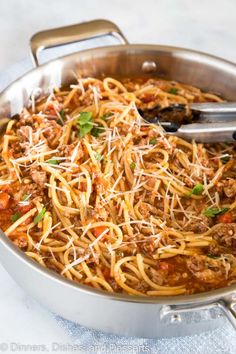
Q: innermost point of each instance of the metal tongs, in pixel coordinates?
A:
(210, 122)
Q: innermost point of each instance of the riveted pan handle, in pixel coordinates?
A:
(71, 34)
(230, 311)
(174, 311)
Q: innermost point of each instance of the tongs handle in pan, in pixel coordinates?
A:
(208, 132)
(214, 108)
(214, 111)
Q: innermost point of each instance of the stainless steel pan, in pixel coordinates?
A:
(117, 313)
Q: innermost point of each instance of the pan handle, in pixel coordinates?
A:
(174, 311)
(229, 309)
(71, 34)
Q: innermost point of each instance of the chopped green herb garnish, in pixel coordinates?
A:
(40, 216)
(197, 189)
(212, 212)
(53, 162)
(84, 123)
(133, 166)
(16, 216)
(85, 129)
(96, 131)
(212, 256)
(25, 197)
(173, 90)
(61, 119)
(153, 141)
(62, 113)
(98, 156)
(106, 115)
(85, 117)
(225, 159)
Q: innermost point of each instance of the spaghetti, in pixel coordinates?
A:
(91, 191)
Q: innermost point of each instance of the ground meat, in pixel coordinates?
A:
(142, 286)
(34, 190)
(199, 226)
(146, 209)
(21, 242)
(88, 99)
(159, 276)
(215, 249)
(24, 119)
(147, 248)
(101, 214)
(51, 130)
(67, 150)
(25, 132)
(206, 269)
(15, 149)
(230, 188)
(38, 176)
(225, 235)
